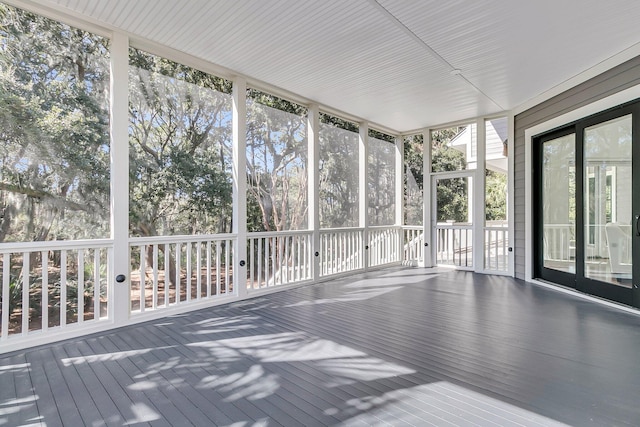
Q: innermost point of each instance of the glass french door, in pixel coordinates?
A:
(587, 210)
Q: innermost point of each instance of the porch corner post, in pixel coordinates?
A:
(363, 195)
(427, 228)
(479, 197)
(313, 171)
(399, 193)
(239, 218)
(119, 306)
(511, 193)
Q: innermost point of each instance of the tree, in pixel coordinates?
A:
(180, 148)
(381, 179)
(496, 196)
(339, 173)
(452, 193)
(276, 164)
(414, 175)
(54, 159)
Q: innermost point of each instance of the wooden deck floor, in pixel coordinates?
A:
(393, 347)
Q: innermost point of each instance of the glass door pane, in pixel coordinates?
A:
(607, 201)
(559, 203)
(454, 225)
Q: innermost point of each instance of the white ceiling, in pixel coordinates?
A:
(388, 61)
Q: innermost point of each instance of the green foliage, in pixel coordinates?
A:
(273, 101)
(413, 157)
(453, 200)
(496, 196)
(381, 182)
(381, 136)
(414, 175)
(339, 122)
(338, 173)
(452, 194)
(180, 149)
(276, 164)
(54, 156)
(54, 150)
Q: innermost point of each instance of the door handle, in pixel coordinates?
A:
(637, 225)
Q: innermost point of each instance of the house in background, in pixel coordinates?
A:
(497, 142)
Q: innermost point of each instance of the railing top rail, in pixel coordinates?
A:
(181, 238)
(497, 222)
(496, 227)
(54, 245)
(412, 227)
(385, 227)
(258, 234)
(341, 229)
(454, 227)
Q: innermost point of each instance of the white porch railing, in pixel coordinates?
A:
(53, 285)
(384, 245)
(496, 248)
(278, 258)
(454, 244)
(559, 242)
(173, 270)
(341, 250)
(47, 285)
(413, 244)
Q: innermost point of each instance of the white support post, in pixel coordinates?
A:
(239, 218)
(511, 193)
(478, 206)
(119, 304)
(426, 199)
(313, 170)
(363, 195)
(400, 193)
(399, 181)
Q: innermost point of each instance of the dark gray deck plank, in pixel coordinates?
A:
(82, 399)
(390, 350)
(18, 402)
(123, 398)
(47, 405)
(248, 411)
(284, 407)
(109, 411)
(456, 370)
(173, 407)
(297, 384)
(391, 347)
(68, 408)
(9, 396)
(185, 402)
(146, 405)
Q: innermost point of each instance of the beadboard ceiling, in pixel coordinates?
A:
(400, 64)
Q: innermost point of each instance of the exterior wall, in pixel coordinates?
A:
(608, 83)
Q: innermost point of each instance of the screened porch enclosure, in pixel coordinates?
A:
(364, 212)
(180, 189)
